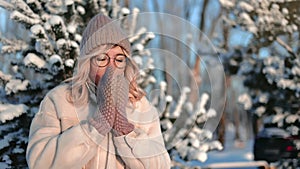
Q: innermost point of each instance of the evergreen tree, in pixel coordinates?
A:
(48, 57)
(273, 80)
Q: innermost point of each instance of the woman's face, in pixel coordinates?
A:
(116, 57)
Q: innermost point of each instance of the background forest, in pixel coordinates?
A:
(203, 64)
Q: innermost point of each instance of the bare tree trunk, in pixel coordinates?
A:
(255, 124)
(126, 3)
(215, 23)
(202, 22)
(221, 129)
(195, 81)
(168, 63)
(298, 42)
(236, 115)
(225, 35)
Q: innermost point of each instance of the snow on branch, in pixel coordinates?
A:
(227, 4)
(43, 44)
(135, 13)
(181, 101)
(6, 5)
(5, 77)
(58, 26)
(56, 7)
(201, 104)
(24, 8)
(36, 4)
(147, 38)
(190, 140)
(138, 34)
(294, 130)
(15, 85)
(10, 111)
(246, 6)
(38, 31)
(32, 58)
(115, 8)
(124, 20)
(55, 64)
(286, 46)
(20, 17)
(12, 46)
(103, 5)
(245, 101)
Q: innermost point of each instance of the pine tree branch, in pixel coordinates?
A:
(135, 13)
(6, 5)
(115, 9)
(18, 16)
(5, 77)
(10, 111)
(103, 6)
(12, 46)
(37, 4)
(56, 7)
(24, 8)
(286, 46)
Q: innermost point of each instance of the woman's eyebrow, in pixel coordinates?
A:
(120, 54)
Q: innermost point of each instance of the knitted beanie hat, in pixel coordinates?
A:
(102, 30)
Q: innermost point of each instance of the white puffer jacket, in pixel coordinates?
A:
(61, 138)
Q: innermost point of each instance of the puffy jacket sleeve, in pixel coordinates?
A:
(144, 148)
(50, 147)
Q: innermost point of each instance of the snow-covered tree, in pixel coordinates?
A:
(47, 57)
(270, 62)
(40, 62)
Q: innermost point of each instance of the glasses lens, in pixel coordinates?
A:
(120, 61)
(101, 60)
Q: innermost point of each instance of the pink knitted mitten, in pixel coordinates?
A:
(103, 119)
(121, 125)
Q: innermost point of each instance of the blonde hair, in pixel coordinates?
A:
(78, 91)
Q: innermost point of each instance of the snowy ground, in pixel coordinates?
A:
(233, 151)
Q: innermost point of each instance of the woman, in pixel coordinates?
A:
(99, 119)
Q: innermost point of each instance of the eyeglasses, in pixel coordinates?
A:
(103, 60)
